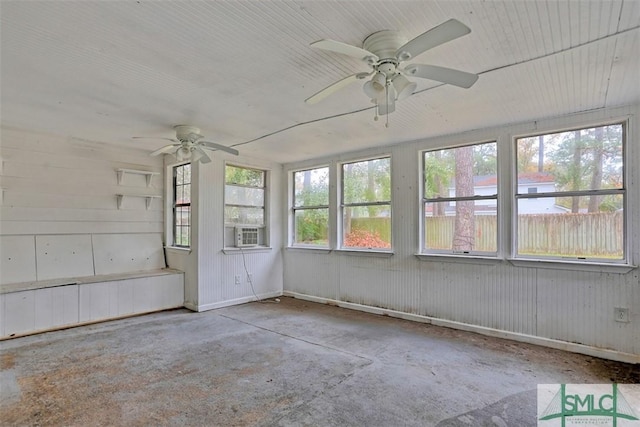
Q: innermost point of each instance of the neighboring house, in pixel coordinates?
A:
(529, 182)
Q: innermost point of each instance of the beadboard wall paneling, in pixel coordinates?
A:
(570, 304)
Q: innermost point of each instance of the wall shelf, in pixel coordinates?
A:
(148, 174)
(148, 198)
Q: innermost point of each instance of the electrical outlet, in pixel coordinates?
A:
(238, 280)
(250, 278)
(621, 314)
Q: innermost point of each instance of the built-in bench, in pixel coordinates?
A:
(50, 282)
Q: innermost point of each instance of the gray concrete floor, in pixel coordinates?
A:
(289, 364)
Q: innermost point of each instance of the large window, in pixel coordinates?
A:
(577, 209)
(460, 200)
(182, 206)
(311, 207)
(244, 203)
(366, 204)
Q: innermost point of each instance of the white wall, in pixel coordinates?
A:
(572, 305)
(210, 269)
(55, 185)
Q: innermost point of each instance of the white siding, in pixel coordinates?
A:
(571, 305)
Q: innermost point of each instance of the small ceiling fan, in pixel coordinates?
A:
(383, 51)
(188, 144)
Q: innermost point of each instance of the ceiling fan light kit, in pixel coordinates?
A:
(189, 145)
(383, 51)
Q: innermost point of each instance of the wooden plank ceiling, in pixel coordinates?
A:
(240, 70)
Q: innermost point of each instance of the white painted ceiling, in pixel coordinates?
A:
(240, 70)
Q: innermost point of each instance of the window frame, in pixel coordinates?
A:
(424, 251)
(264, 229)
(295, 208)
(175, 205)
(550, 261)
(341, 206)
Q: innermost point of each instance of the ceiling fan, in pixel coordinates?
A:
(383, 51)
(188, 144)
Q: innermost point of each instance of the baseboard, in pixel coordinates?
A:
(530, 339)
(237, 301)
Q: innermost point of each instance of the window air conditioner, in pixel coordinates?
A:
(246, 236)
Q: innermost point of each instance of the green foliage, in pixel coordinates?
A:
(244, 176)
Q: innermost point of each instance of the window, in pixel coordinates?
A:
(182, 206)
(311, 207)
(366, 204)
(578, 211)
(460, 200)
(244, 203)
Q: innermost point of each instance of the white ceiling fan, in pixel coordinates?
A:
(383, 51)
(188, 144)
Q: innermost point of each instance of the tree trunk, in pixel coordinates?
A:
(346, 225)
(575, 173)
(596, 177)
(464, 233)
(541, 153)
(438, 207)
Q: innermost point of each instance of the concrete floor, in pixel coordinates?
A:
(289, 364)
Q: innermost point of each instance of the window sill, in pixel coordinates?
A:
(467, 259)
(178, 250)
(573, 265)
(364, 252)
(308, 249)
(254, 249)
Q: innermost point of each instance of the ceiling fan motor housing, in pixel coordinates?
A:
(185, 132)
(384, 44)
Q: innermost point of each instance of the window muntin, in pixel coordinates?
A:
(460, 200)
(182, 206)
(245, 204)
(366, 204)
(311, 207)
(578, 210)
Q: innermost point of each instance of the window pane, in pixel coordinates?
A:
(367, 227)
(187, 174)
(311, 187)
(463, 226)
(183, 215)
(244, 176)
(312, 227)
(179, 175)
(243, 216)
(186, 196)
(568, 229)
(587, 159)
(367, 181)
(244, 196)
(461, 172)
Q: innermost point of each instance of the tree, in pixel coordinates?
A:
(464, 232)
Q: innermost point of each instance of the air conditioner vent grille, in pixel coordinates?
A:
(246, 236)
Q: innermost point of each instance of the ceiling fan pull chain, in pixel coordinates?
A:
(376, 112)
(386, 88)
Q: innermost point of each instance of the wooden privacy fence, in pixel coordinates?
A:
(592, 234)
(439, 231)
(580, 234)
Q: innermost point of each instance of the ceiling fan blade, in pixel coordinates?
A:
(165, 149)
(153, 137)
(214, 146)
(319, 96)
(202, 156)
(345, 49)
(447, 31)
(442, 74)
